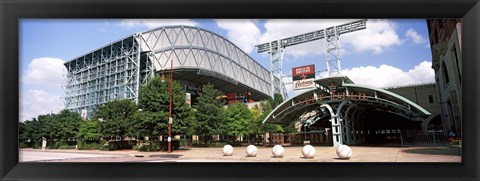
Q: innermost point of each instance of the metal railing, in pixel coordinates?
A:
(424, 138)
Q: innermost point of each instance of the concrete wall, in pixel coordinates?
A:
(425, 96)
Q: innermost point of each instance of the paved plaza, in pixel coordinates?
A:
(264, 154)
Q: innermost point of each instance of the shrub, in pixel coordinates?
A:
(158, 146)
(118, 145)
(66, 147)
(150, 146)
(89, 145)
(26, 145)
(60, 144)
(37, 145)
(214, 145)
(175, 145)
(185, 143)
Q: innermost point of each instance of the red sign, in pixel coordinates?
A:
(303, 70)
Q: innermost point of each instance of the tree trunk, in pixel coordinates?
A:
(206, 141)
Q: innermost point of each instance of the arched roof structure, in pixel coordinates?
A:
(340, 97)
(201, 53)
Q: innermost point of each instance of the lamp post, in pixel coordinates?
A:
(170, 119)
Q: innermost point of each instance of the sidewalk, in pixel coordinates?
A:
(293, 154)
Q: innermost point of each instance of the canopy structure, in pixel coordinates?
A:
(342, 101)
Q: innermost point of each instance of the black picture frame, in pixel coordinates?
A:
(12, 11)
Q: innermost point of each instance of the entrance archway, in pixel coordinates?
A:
(354, 111)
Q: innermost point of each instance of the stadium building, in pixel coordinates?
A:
(196, 56)
(336, 111)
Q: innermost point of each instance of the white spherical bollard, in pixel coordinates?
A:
(278, 151)
(344, 152)
(251, 151)
(227, 150)
(308, 151)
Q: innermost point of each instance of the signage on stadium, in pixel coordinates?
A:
(188, 99)
(338, 96)
(334, 95)
(303, 77)
(84, 114)
(302, 84)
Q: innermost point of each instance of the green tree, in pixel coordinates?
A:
(256, 120)
(52, 127)
(116, 116)
(154, 102)
(209, 114)
(239, 120)
(258, 115)
(49, 128)
(30, 130)
(89, 130)
(266, 109)
(22, 134)
(68, 122)
(270, 105)
(277, 100)
(290, 128)
(152, 124)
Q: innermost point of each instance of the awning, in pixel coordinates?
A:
(340, 92)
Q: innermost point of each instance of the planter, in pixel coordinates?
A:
(455, 145)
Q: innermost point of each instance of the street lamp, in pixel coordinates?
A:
(170, 119)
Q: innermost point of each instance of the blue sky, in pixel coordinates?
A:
(390, 52)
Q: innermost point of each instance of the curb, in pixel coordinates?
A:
(139, 155)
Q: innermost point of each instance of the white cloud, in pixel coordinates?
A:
(103, 27)
(243, 33)
(414, 36)
(288, 85)
(38, 102)
(154, 23)
(44, 71)
(281, 28)
(379, 35)
(389, 76)
(42, 81)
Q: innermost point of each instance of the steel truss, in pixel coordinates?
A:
(117, 70)
(276, 65)
(195, 48)
(112, 72)
(332, 50)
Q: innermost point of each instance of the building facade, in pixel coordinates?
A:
(426, 96)
(445, 41)
(196, 57)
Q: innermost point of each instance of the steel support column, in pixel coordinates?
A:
(351, 127)
(332, 52)
(336, 126)
(276, 66)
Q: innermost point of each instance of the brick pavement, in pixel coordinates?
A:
(292, 154)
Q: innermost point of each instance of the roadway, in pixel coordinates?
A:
(38, 155)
